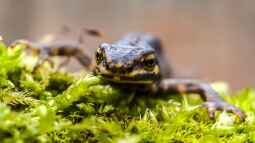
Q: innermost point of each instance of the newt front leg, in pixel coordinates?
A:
(213, 102)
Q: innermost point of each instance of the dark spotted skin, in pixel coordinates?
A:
(123, 63)
(57, 48)
(64, 48)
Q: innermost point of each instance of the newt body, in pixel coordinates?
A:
(136, 62)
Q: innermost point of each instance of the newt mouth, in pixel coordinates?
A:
(147, 78)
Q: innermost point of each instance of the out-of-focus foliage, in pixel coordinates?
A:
(45, 105)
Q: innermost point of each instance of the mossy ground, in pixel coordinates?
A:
(46, 105)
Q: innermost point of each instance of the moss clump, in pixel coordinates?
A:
(52, 106)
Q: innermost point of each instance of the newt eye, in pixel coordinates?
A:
(149, 64)
(99, 56)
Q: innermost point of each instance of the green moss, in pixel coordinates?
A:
(45, 105)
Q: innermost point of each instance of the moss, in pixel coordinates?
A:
(51, 106)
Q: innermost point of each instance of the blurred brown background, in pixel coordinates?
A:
(212, 40)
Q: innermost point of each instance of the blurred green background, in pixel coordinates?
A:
(212, 40)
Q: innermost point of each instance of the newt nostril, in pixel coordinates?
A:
(129, 68)
(109, 66)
